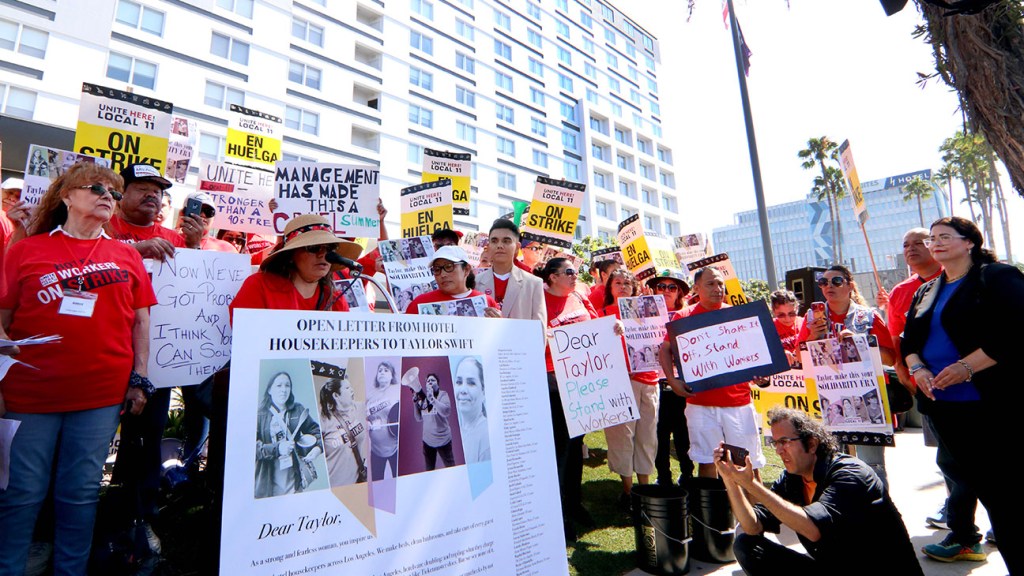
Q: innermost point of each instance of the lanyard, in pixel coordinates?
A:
(88, 258)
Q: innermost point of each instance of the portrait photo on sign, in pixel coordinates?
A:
(471, 406)
(429, 435)
(289, 446)
(383, 395)
(342, 413)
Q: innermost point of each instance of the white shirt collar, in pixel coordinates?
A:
(59, 228)
(504, 276)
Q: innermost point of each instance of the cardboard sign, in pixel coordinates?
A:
(454, 166)
(426, 208)
(123, 127)
(593, 382)
(845, 377)
(788, 389)
(240, 195)
(253, 137)
(554, 212)
(44, 165)
(189, 330)
(181, 147)
(662, 253)
(734, 294)
(860, 208)
(644, 319)
(407, 268)
(728, 346)
(345, 195)
(492, 511)
(690, 247)
(610, 253)
(634, 248)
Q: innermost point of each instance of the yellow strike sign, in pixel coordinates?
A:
(555, 219)
(734, 294)
(122, 147)
(635, 250)
(454, 166)
(426, 208)
(122, 127)
(253, 137)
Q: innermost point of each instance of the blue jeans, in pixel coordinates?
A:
(73, 446)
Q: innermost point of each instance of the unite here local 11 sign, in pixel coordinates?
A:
(123, 127)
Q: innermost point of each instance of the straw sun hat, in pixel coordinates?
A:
(311, 230)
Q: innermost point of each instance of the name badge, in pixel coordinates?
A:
(78, 303)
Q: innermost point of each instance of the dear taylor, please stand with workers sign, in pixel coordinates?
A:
(325, 454)
(727, 346)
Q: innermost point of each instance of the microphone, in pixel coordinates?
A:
(335, 258)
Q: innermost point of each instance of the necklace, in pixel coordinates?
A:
(954, 279)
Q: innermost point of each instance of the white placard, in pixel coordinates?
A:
(345, 195)
(240, 195)
(722, 348)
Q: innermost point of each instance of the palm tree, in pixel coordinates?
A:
(920, 189)
(823, 153)
(945, 175)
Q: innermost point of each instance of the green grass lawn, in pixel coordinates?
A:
(608, 548)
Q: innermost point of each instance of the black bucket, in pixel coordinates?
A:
(662, 529)
(714, 524)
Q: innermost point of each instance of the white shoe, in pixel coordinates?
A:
(152, 539)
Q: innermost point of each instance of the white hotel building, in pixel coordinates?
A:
(563, 88)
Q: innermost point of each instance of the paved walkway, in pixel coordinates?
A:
(918, 490)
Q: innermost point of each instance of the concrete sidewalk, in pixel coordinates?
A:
(918, 490)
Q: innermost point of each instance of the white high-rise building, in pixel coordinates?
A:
(563, 88)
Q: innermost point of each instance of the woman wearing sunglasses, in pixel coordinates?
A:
(788, 323)
(235, 239)
(297, 275)
(69, 278)
(455, 280)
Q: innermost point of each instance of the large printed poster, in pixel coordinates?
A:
(123, 127)
(45, 165)
(407, 268)
(554, 212)
(371, 446)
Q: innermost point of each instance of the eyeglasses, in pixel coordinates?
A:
(668, 286)
(567, 272)
(941, 239)
(436, 270)
(786, 315)
(781, 441)
(836, 281)
(320, 249)
(100, 190)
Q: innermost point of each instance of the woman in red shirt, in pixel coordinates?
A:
(632, 446)
(69, 278)
(455, 280)
(297, 275)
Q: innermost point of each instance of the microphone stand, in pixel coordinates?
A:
(357, 274)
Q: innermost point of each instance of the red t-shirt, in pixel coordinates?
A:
(522, 266)
(564, 310)
(211, 243)
(597, 297)
(789, 334)
(439, 296)
(120, 229)
(878, 328)
(726, 396)
(648, 377)
(89, 367)
(268, 291)
(500, 287)
(899, 303)
(6, 231)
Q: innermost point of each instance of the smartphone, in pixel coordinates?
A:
(193, 206)
(737, 455)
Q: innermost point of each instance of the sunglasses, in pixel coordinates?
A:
(235, 239)
(99, 190)
(836, 281)
(567, 272)
(786, 315)
(208, 211)
(666, 286)
(320, 249)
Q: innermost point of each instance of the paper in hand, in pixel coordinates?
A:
(7, 430)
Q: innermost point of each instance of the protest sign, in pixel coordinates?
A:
(454, 166)
(690, 247)
(123, 127)
(253, 137)
(491, 513)
(788, 389)
(240, 195)
(189, 330)
(44, 165)
(634, 248)
(346, 195)
(610, 253)
(407, 268)
(551, 252)
(734, 294)
(554, 212)
(354, 294)
(662, 254)
(474, 243)
(474, 306)
(727, 346)
(845, 377)
(593, 382)
(181, 147)
(644, 319)
(426, 208)
(860, 209)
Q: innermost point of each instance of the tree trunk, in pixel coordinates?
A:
(1004, 221)
(970, 204)
(920, 210)
(985, 203)
(981, 57)
(832, 217)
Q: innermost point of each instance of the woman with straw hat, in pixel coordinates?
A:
(297, 275)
